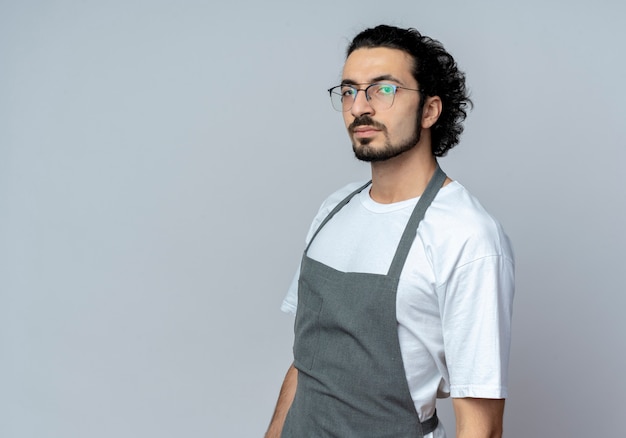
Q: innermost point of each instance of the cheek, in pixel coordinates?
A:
(410, 122)
(404, 128)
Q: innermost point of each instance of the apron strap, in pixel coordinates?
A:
(402, 252)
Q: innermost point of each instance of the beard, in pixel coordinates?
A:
(365, 152)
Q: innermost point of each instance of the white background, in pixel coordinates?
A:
(160, 162)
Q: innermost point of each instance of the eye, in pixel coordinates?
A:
(348, 91)
(385, 89)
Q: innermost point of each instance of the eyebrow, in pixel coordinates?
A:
(373, 81)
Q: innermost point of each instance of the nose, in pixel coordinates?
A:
(361, 105)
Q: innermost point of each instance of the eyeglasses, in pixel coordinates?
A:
(379, 95)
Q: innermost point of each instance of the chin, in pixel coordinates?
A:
(366, 152)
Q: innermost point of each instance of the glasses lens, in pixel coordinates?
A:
(381, 95)
(341, 97)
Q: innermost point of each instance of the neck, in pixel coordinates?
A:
(403, 177)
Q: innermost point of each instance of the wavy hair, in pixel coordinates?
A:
(436, 73)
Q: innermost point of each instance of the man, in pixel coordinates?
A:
(405, 288)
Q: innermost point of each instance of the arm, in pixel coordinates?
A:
(287, 393)
(478, 417)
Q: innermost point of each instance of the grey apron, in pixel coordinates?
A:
(351, 378)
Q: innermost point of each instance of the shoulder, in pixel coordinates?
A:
(459, 222)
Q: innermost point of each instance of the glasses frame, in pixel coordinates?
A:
(365, 90)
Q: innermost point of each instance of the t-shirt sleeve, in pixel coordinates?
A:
(476, 321)
(290, 303)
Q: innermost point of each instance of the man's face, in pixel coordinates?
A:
(380, 134)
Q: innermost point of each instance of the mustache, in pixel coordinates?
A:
(365, 120)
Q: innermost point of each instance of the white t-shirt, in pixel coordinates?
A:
(454, 299)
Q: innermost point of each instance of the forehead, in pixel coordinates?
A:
(369, 65)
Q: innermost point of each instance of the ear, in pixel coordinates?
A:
(432, 111)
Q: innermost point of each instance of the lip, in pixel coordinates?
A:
(365, 131)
